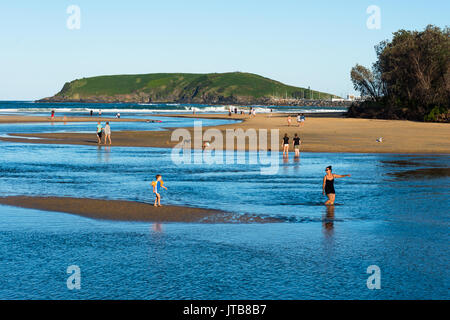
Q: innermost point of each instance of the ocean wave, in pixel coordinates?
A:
(150, 108)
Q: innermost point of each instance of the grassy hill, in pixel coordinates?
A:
(233, 87)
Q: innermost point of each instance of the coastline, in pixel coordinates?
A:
(30, 119)
(121, 210)
(319, 134)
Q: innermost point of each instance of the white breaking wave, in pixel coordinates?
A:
(184, 109)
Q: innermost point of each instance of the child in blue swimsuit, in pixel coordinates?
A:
(157, 186)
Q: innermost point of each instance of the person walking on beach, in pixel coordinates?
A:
(99, 132)
(107, 133)
(302, 119)
(158, 185)
(99, 113)
(328, 185)
(285, 145)
(92, 113)
(289, 120)
(53, 115)
(297, 143)
(299, 119)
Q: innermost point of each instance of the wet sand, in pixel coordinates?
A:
(319, 134)
(425, 173)
(129, 210)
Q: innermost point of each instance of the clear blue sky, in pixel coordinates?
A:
(302, 43)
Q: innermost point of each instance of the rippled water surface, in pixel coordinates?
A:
(393, 213)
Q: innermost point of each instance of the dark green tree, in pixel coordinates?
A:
(410, 79)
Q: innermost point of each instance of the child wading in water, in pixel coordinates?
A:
(157, 186)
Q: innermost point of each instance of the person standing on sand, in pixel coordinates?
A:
(53, 115)
(285, 145)
(299, 119)
(108, 133)
(302, 119)
(289, 120)
(158, 185)
(99, 132)
(92, 113)
(99, 113)
(328, 185)
(297, 143)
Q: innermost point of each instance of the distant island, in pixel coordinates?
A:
(212, 88)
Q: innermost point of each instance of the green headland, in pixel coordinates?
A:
(211, 88)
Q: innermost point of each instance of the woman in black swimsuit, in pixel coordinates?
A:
(328, 185)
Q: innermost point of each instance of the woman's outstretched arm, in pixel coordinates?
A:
(341, 175)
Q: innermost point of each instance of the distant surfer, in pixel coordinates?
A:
(328, 185)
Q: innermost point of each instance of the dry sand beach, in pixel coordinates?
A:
(319, 134)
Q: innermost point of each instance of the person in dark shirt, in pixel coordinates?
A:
(285, 145)
(297, 143)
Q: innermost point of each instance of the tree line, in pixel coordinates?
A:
(410, 79)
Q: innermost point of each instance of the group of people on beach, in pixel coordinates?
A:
(251, 111)
(296, 142)
(106, 131)
(300, 120)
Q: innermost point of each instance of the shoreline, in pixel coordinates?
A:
(122, 210)
(7, 119)
(319, 134)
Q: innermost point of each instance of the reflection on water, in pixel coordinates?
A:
(328, 220)
(157, 227)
